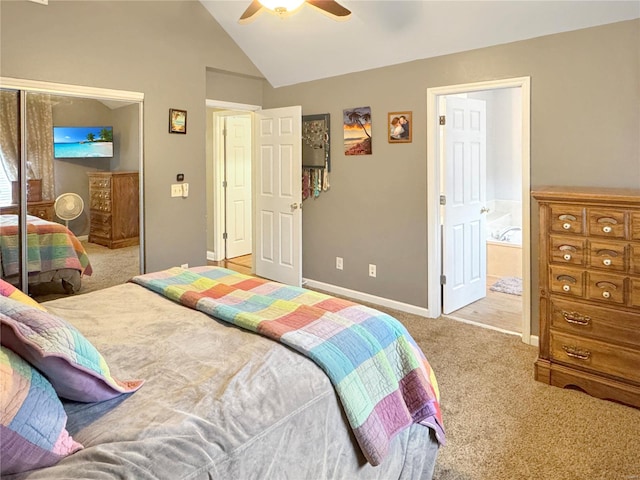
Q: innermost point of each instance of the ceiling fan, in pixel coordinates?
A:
(283, 8)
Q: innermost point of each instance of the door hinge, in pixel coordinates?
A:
(443, 120)
(443, 279)
(443, 199)
(224, 184)
(224, 236)
(224, 132)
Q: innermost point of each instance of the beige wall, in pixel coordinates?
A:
(585, 123)
(162, 49)
(585, 130)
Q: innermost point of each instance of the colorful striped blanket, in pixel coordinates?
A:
(381, 376)
(50, 246)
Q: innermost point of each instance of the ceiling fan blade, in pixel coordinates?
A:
(331, 8)
(250, 13)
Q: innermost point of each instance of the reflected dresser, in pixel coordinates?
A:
(114, 208)
(589, 286)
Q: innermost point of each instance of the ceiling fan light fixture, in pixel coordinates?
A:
(281, 7)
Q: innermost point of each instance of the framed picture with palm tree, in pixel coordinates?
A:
(357, 131)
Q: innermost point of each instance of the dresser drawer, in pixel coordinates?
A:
(567, 282)
(99, 182)
(608, 256)
(567, 218)
(606, 223)
(635, 293)
(606, 288)
(634, 254)
(101, 224)
(568, 250)
(45, 212)
(100, 204)
(594, 321)
(635, 226)
(601, 357)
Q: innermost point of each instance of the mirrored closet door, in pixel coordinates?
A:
(70, 177)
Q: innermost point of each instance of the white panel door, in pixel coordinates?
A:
(464, 219)
(278, 198)
(238, 190)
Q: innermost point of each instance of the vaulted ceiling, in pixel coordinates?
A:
(309, 45)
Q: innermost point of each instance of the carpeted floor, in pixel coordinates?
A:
(110, 267)
(503, 425)
(500, 423)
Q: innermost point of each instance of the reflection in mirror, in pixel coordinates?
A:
(65, 207)
(10, 227)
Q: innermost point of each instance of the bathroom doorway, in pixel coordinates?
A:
(505, 207)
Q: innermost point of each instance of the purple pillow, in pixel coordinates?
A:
(32, 422)
(65, 357)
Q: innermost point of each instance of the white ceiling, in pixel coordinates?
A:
(309, 45)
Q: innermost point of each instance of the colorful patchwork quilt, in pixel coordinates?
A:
(383, 380)
(50, 246)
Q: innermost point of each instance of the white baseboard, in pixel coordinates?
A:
(211, 256)
(366, 297)
(403, 307)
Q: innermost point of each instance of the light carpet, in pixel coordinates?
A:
(110, 267)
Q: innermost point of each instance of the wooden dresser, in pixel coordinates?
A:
(114, 208)
(42, 209)
(590, 291)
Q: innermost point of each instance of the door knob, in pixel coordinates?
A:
(484, 210)
(294, 206)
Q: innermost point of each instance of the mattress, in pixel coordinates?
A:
(218, 402)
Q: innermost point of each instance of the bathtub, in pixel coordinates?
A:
(504, 246)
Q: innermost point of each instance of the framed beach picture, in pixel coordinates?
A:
(177, 121)
(357, 131)
(399, 127)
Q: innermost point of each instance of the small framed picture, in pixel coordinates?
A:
(399, 127)
(177, 121)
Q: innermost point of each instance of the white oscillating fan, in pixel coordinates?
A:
(68, 206)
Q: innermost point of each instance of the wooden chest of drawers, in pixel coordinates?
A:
(590, 291)
(43, 210)
(114, 208)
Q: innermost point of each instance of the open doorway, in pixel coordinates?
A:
(229, 183)
(500, 203)
(273, 162)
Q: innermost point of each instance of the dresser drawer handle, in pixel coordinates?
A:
(566, 278)
(575, 352)
(608, 286)
(566, 226)
(610, 220)
(606, 262)
(607, 229)
(576, 318)
(566, 216)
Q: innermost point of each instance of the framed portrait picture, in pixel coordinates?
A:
(399, 127)
(177, 121)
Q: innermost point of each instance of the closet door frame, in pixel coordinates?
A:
(23, 87)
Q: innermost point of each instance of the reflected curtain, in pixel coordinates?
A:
(39, 117)
(40, 142)
(9, 133)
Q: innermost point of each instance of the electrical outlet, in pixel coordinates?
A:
(184, 265)
(339, 263)
(372, 270)
(176, 190)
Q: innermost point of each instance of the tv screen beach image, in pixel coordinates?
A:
(82, 142)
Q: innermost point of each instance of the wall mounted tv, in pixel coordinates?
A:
(82, 142)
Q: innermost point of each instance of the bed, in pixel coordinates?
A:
(222, 401)
(54, 253)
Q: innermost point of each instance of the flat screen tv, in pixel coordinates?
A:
(82, 142)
